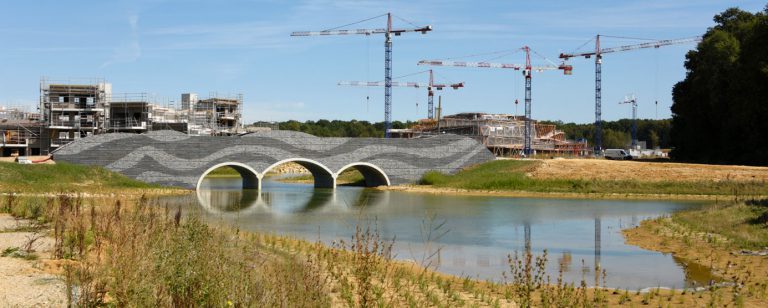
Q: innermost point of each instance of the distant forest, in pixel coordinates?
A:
(616, 134)
(337, 128)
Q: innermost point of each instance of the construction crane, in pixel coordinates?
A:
(598, 53)
(527, 70)
(633, 101)
(430, 87)
(388, 32)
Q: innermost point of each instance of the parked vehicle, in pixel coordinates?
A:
(619, 154)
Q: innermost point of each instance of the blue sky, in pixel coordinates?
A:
(165, 48)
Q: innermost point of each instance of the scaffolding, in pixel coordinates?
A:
(129, 112)
(19, 131)
(73, 109)
(70, 109)
(216, 115)
(169, 118)
(504, 134)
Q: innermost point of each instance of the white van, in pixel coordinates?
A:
(619, 154)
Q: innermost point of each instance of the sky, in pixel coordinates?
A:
(228, 47)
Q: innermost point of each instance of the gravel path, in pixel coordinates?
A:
(22, 282)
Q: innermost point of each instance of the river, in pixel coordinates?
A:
(464, 235)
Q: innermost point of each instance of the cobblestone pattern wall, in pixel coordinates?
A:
(173, 158)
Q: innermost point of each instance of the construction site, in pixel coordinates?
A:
(72, 109)
(502, 134)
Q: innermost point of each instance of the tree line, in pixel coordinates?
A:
(338, 128)
(616, 134)
(720, 109)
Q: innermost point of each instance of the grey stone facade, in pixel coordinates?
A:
(173, 158)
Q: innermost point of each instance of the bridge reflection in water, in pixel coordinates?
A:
(222, 199)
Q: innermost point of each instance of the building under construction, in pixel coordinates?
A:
(503, 134)
(217, 115)
(70, 110)
(21, 132)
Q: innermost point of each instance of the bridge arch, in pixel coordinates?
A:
(324, 177)
(251, 178)
(373, 175)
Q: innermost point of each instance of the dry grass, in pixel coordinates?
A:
(516, 175)
(601, 169)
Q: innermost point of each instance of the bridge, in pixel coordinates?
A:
(177, 159)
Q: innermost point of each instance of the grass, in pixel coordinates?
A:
(743, 225)
(510, 175)
(225, 171)
(16, 252)
(63, 177)
(349, 177)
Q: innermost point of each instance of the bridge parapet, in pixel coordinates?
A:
(177, 159)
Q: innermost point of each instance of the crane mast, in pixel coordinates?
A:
(598, 98)
(632, 101)
(598, 53)
(527, 72)
(431, 98)
(388, 32)
(388, 78)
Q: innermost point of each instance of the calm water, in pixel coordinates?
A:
(479, 232)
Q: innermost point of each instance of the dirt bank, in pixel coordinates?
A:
(529, 194)
(699, 251)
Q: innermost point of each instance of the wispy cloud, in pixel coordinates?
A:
(130, 50)
(245, 35)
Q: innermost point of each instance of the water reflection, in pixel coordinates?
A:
(217, 200)
(582, 237)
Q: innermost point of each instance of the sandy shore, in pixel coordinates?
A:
(24, 283)
(529, 194)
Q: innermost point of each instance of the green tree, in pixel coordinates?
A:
(614, 139)
(653, 139)
(720, 110)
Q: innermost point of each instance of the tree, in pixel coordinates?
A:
(720, 110)
(613, 139)
(653, 139)
(645, 129)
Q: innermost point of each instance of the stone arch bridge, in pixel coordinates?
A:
(177, 159)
